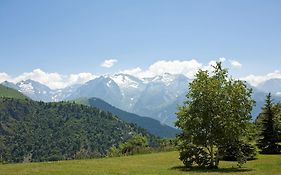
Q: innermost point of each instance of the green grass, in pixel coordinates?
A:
(157, 163)
(10, 93)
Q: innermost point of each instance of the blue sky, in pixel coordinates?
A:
(67, 36)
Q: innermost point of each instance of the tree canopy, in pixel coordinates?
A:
(216, 113)
(38, 131)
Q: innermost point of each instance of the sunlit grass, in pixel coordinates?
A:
(157, 163)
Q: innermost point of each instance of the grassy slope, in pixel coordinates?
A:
(11, 93)
(158, 163)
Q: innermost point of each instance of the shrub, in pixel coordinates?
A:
(231, 152)
(138, 144)
(192, 155)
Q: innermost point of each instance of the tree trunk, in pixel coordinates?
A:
(214, 160)
(212, 156)
(217, 159)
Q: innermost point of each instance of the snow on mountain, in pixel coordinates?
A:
(40, 92)
(130, 87)
(160, 97)
(102, 87)
(32, 89)
(126, 81)
(156, 97)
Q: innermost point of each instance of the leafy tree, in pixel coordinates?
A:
(269, 136)
(216, 113)
(135, 145)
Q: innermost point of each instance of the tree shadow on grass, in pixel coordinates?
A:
(206, 170)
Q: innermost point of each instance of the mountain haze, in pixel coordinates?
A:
(151, 125)
(155, 97)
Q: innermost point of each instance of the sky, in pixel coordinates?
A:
(72, 41)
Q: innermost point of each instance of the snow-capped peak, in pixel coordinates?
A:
(126, 81)
(167, 79)
(26, 87)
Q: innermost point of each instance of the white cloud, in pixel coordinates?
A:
(52, 80)
(222, 59)
(235, 64)
(255, 80)
(186, 67)
(4, 77)
(109, 63)
(80, 78)
(134, 71)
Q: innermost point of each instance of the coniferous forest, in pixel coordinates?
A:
(38, 131)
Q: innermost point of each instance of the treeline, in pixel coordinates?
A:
(36, 131)
(139, 144)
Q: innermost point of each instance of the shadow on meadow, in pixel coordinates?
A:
(206, 170)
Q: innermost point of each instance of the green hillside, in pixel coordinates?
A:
(151, 125)
(10, 93)
(152, 164)
(37, 131)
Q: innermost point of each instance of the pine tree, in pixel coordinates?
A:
(268, 141)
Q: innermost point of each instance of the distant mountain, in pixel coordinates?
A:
(131, 90)
(10, 85)
(101, 87)
(10, 93)
(260, 92)
(161, 96)
(40, 92)
(35, 90)
(151, 125)
(38, 131)
(259, 97)
(156, 97)
(272, 85)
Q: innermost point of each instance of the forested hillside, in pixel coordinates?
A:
(38, 131)
(151, 125)
(9, 92)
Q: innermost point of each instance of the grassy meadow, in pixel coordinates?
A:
(156, 163)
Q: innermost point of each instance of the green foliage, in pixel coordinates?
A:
(167, 144)
(217, 112)
(151, 125)
(269, 125)
(135, 145)
(37, 131)
(232, 152)
(10, 93)
(193, 155)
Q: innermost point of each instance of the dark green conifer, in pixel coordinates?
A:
(268, 141)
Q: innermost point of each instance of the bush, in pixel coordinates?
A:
(138, 144)
(232, 152)
(192, 155)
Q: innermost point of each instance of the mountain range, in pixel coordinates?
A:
(156, 97)
(151, 125)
